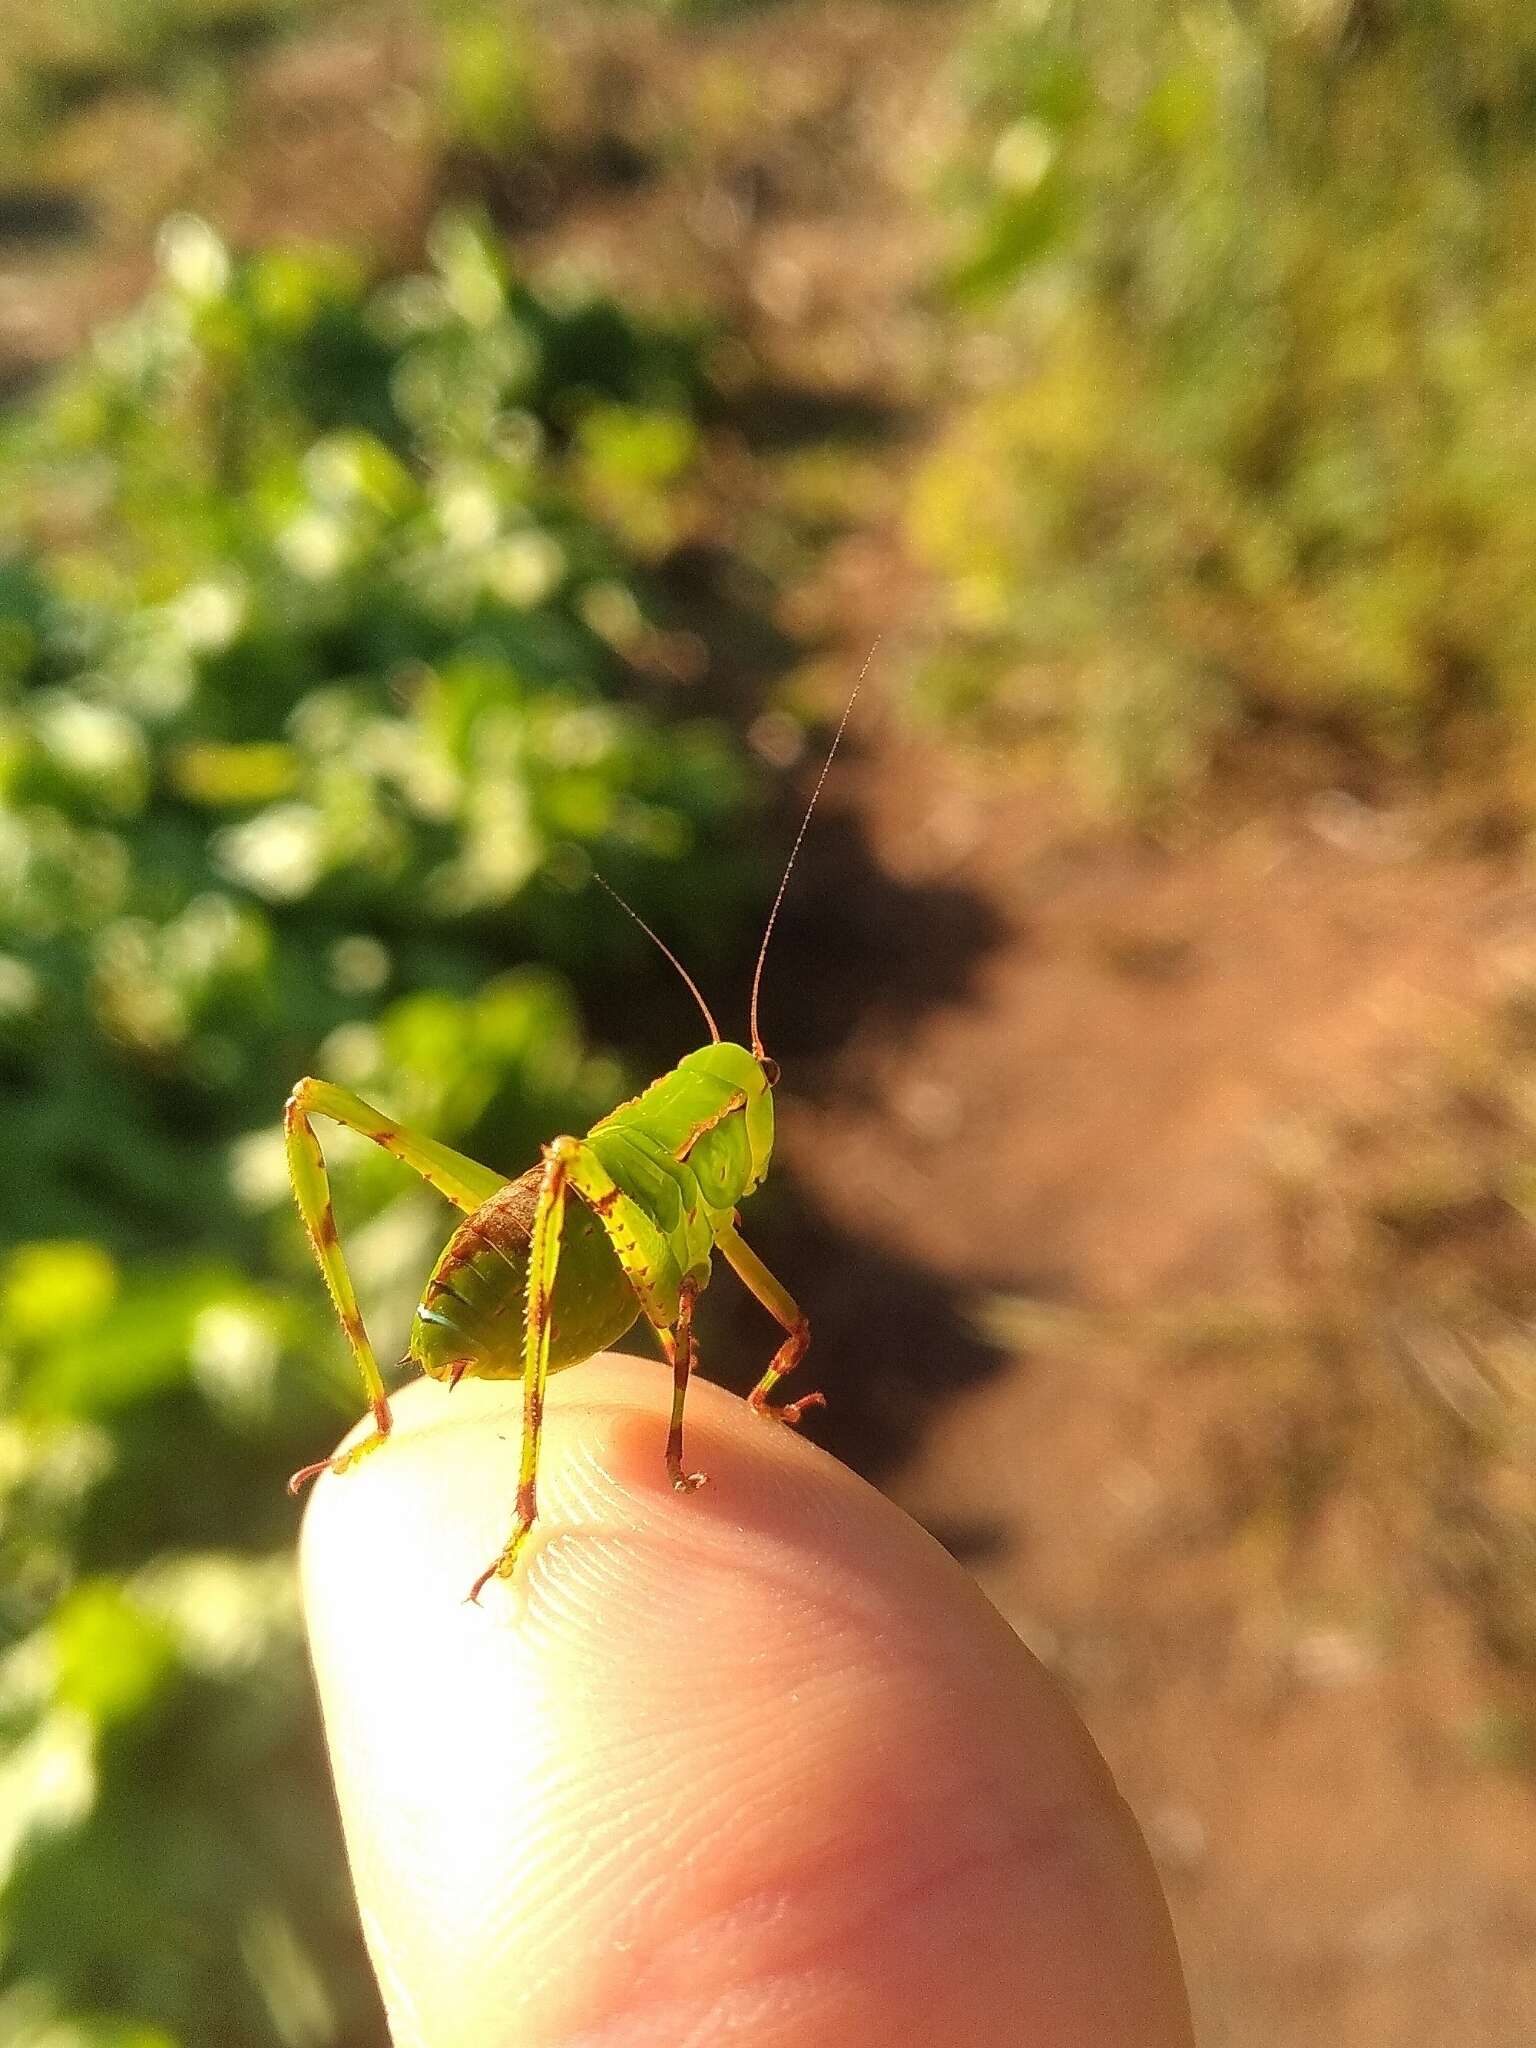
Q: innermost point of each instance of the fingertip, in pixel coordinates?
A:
(757, 1757)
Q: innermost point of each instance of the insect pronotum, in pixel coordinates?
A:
(532, 1281)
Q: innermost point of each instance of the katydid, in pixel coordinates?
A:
(532, 1281)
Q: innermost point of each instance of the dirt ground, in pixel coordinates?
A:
(1290, 1703)
(1044, 1076)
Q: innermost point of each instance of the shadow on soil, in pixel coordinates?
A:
(893, 1340)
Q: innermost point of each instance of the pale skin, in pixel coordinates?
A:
(758, 1766)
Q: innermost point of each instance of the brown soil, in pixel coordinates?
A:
(1289, 1697)
(1027, 1057)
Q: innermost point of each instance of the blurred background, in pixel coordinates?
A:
(445, 446)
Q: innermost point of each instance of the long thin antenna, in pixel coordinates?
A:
(762, 953)
(662, 946)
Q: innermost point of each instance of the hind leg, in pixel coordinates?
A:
(462, 1180)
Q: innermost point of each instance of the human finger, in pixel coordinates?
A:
(756, 1764)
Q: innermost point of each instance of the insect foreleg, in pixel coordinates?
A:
(543, 1265)
(463, 1181)
(781, 1305)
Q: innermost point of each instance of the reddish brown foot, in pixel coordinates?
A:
(300, 1479)
(500, 1567)
(791, 1411)
(472, 1597)
(344, 1460)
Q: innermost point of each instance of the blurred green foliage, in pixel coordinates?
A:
(328, 667)
(317, 599)
(1253, 317)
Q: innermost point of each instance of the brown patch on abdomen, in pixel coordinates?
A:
(503, 1224)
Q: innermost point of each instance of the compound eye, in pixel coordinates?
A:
(770, 1070)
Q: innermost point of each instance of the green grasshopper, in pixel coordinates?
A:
(531, 1282)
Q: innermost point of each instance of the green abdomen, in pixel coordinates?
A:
(471, 1315)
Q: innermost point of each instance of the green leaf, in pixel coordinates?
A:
(113, 1659)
